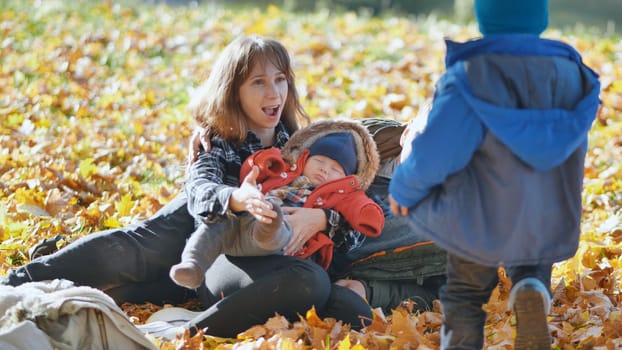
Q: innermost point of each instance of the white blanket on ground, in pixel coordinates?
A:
(58, 315)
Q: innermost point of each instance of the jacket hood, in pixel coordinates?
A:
(366, 151)
(542, 139)
(516, 94)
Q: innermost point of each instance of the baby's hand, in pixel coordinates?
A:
(248, 197)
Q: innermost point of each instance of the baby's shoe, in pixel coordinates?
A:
(531, 302)
(187, 274)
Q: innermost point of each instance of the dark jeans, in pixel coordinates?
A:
(468, 287)
(389, 294)
(259, 287)
(132, 264)
(396, 231)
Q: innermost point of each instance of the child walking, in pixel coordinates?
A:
(496, 175)
(326, 165)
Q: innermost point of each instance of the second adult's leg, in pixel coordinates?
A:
(389, 294)
(396, 231)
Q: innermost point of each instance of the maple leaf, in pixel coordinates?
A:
(124, 206)
(87, 167)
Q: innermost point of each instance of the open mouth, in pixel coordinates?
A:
(272, 110)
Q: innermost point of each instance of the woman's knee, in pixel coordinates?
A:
(292, 281)
(310, 281)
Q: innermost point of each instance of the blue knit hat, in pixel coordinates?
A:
(512, 16)
(338, 146)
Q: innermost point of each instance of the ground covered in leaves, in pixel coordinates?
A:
(94, 128)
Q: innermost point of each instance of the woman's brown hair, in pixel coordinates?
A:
(216, 104)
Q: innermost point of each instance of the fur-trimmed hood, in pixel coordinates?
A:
(366, 151)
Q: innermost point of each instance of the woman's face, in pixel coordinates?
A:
(263, 95)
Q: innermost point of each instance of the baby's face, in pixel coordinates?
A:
(321, 169)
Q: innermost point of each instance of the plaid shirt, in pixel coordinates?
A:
(295, 194)
(216, 174)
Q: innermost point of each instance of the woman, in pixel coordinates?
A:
(249, 102)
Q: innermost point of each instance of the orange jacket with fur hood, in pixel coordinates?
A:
(346, 195)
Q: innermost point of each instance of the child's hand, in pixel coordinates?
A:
(396, 208)
(248, 197)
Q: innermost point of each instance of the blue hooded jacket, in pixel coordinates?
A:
(496, 176)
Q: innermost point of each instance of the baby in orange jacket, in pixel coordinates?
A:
(326, 165)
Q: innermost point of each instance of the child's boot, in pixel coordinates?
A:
(531, 302)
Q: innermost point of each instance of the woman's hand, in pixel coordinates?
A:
(200, 137)
(396, 208)
(305, 222)
(248, 197)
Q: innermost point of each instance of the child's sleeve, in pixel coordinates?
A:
(446, 145)
(362, 214)
(270, 163)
